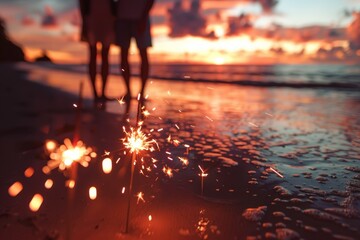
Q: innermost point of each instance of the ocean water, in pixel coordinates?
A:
(298, 76)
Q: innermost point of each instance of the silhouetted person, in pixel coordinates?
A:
(98, 27)
(9, 51)
(133, 21)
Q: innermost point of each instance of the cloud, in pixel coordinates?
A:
(240, 24)
(27, 20)
(353, 31)
(183, 22)
(267, 5)
(49, 19)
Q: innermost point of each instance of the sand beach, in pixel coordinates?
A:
(278, 162)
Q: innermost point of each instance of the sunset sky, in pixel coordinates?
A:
(205, 31)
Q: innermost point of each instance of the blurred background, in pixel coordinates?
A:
(202, 31)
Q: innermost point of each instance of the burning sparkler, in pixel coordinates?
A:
(65, 155)
(137, 141)
(202, 175)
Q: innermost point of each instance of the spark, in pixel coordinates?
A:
(140, 196)
(48, 183)
(107, 165)
(75, 105)
(184, 161)
(137, 141)
(209, 119)
(15, 189)
(36, 202)
(177, 126)
(150, 218)
(146, 113)
(253, 124)
(92, 193)
(29, 172)
(117, 160)
(70, 184)
(277, 173)
(123, 190)
(167, 171)
(66, 154)
(269, 114)
(121, 100)
(203, 173)
(50, 145)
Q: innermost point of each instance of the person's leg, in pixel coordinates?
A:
(92, 69)
(104, 68)
(125, 70)
(144, 69)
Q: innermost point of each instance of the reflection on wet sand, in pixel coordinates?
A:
(246, 138)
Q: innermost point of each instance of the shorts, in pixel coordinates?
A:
(127, 29)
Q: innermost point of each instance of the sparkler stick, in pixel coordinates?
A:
(133, 160)
(202, 175)
(73, 168)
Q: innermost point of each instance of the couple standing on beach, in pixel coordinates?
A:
(116, 21)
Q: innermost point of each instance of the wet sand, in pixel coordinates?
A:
(281, 162)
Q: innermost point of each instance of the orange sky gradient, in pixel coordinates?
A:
(264, 42)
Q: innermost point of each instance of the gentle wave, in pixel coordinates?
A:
(294, 76)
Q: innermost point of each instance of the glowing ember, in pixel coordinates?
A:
(70, 184)
(167, 171)
(92, 193)
(65, 155)
(150, 218)
(123, 190)
(36, 202)
(184, 161)
(29, 172)
(48, 183)
(15, 189)
(50, 145)
(203, 174)
(140, 196)
(107, 165)
(137, 141)
(121, 101)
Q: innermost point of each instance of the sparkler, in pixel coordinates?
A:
(136, 141)
(202, 175)
(67, 154)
